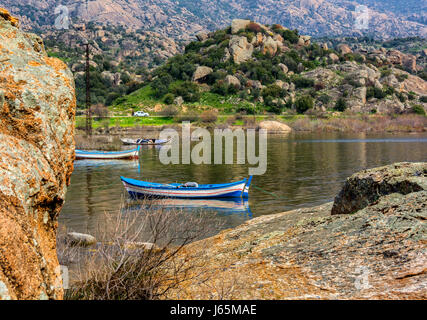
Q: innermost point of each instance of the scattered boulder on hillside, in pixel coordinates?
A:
(179, 101)
(256, 84)
(281, 84)
(304, 40)
(238, 24)
(240, 49)
(269, 46)
(232, 80)
(334, 57)
(201, 72)
(344, 49)
(366, 187)
(283, 67)
(413, 83)
(202, 36)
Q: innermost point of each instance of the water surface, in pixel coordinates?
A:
(303, 170)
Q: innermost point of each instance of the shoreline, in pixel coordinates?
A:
(326, 251)
(351, 124)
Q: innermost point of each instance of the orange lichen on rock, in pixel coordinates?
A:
(37, 107)
(6, 15)
(311, 254)
(34, 63)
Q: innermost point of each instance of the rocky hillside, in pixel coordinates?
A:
(37, 106)
(184, 18)
(252, 68)
(120, 57)
(373, 246)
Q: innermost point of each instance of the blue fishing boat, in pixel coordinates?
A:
(101, 155)
(189, 190)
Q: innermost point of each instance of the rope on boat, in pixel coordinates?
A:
(267, 192)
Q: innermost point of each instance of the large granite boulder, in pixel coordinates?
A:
(37, 107)
(239, 24)
(201, 73)
(377, 253)
(232, 80)
(240, 49)
(344, 49)
(274, 126)
(367, 187)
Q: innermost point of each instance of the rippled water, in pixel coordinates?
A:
(303, 170)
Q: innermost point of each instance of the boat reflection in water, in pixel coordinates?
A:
(233, 206)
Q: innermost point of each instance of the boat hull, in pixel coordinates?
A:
(233, 190)
(125, 155)
(133, 142)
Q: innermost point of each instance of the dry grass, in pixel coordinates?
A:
(141, 255)
(403, 123)
(104, 143)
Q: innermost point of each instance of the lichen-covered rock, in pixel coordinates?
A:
(366, 187)
(37, 106)
(232, 80)
(239, 24)
(377, 253)
(334, 57)
(283, 67)
(240, 49)
(269, 46)
(6, 16)
(80, 239)
(202, 36)
(344, 49)
(274, 126)
(201, 72)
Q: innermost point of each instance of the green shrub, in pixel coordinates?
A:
(385, 72)
(220, 87)
(389, 90)
(246, 108)
(418, 109)
(340, 105)
(324, 99)
(161, 85)
(301, 82)
(304, 103)
(273, 91)
(412, 95)
(402, 77)
(375, 92)
(291, 35)
(423, 99)
(168, 98)
(401, 97)
(188, 90)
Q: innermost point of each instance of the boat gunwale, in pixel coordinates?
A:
(83, 152)
(160, 186)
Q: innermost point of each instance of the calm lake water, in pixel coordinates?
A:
(303, 170)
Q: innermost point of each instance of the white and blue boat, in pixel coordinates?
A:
(101, 155)
(189, 190)
(144, 142)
